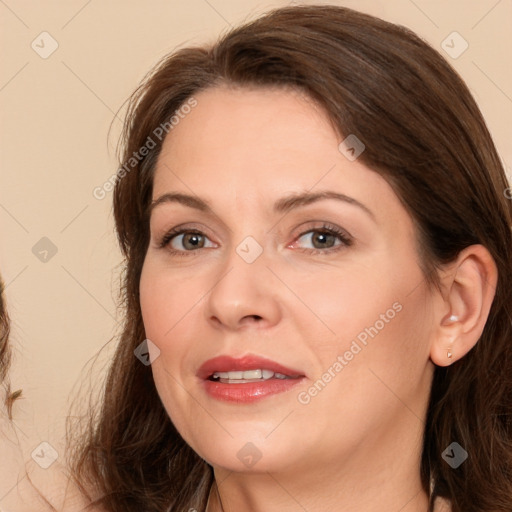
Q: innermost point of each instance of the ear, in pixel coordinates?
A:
(468, 287)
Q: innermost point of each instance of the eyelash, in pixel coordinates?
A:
(328, 229)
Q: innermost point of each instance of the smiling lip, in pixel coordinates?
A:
(243, 392)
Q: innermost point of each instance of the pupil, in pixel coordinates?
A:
(323, 238)
(193, 241)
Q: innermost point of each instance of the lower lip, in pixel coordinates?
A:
(248, 391)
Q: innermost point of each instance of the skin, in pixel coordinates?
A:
(26, 487)
(357, 444)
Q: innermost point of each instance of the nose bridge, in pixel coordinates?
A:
(243, 289)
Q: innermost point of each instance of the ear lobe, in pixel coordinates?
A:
(470, 286)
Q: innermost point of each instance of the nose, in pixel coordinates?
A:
(244, 295)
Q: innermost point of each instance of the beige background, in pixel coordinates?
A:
(55, 150)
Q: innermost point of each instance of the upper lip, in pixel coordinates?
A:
(226, 363)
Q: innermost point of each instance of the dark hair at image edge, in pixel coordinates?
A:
(8, 395)
(425, 134)
(5, 355)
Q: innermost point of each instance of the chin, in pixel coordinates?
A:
(247, 451)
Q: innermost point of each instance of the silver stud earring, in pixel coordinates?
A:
(449, 354)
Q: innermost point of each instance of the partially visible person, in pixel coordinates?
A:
(10, 454)
(24, 486)
(4, 335)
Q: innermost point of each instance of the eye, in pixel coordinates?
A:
(180, 241)
(318, 240)
(322, 239)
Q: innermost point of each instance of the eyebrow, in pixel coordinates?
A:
(283, 205)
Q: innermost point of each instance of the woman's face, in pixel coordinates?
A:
(296, 262)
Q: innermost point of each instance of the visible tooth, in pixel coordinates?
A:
(248, 375)
(251, 374)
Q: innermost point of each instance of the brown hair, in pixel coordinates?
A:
(425, 134)
(5, 355)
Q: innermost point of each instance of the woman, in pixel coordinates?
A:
(317, 285)
(24, 485)
(16, 490)
(10, 455)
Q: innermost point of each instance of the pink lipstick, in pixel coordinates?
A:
(246, 379)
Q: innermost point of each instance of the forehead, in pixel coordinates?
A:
(252, 131)
(258, 142)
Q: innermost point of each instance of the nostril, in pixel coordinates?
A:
(254, 317)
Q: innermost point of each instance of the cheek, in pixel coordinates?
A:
(379, 352)
(166, 306)
(339, 303)
(171, 307)
(156, 301)
(166, 300)
(376, 316)
(166, 309)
